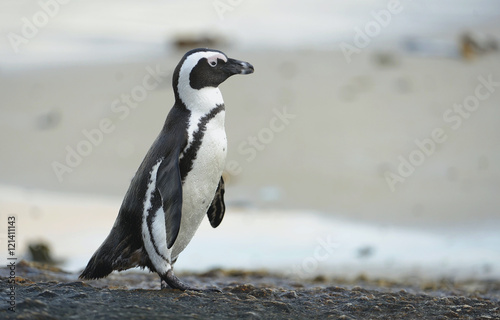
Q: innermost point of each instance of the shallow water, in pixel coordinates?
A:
(300, 245)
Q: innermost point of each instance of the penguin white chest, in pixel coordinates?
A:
(201, 182)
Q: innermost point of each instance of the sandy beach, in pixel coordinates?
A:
(349, 126)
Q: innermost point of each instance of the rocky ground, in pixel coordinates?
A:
(49, 293)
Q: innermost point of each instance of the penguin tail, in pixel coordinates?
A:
(96, 268)
(101, 263)
(114, 254)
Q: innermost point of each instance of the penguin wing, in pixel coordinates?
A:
(217, 208)
(168, 183)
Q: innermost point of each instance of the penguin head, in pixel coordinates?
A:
(206, 68)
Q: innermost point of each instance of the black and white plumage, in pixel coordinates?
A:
(180, 178)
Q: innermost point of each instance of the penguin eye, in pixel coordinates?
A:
(213, 63)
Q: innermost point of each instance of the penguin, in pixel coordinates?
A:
(180, 179)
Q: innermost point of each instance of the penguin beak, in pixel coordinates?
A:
(234, 66)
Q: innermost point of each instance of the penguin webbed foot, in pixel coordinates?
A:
(175, 283)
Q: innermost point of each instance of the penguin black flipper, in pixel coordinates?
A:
(169, 184)
(217, 208)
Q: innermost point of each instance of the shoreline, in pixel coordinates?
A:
(299, 243)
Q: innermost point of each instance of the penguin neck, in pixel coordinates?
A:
(201, 101)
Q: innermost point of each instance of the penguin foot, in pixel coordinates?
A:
(175, 283)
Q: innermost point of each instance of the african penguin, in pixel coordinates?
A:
(180, 178)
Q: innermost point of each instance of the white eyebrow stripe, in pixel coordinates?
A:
(217, 56)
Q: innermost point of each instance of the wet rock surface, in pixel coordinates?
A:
(49, 293)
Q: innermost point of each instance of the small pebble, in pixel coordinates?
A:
(336, 289)
(253, 315)
(262, 293)
(48, 294)
(31, 303)
(289, 295)
(244, 288)
(80, 295)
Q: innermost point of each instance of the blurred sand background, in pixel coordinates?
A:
(321, 173)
